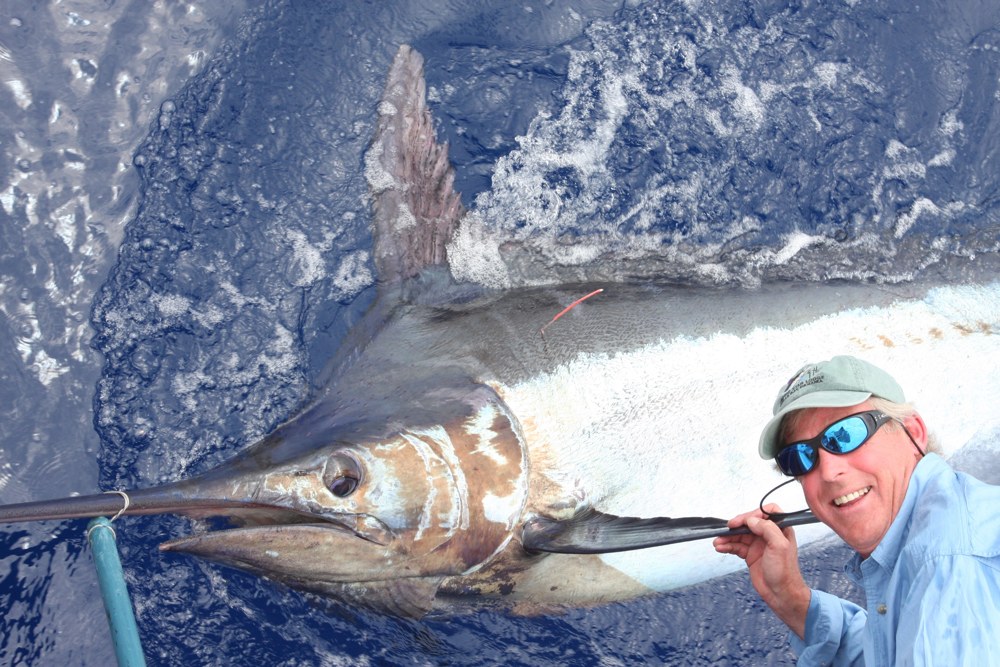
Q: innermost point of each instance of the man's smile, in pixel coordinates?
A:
(850, 497)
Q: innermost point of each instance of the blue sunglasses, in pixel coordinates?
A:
(841, 437)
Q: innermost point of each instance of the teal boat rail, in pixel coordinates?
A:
(117, 604)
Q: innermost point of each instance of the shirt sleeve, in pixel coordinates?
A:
(834, 632)
(952, 614)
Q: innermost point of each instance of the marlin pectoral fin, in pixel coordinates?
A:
(594, 532)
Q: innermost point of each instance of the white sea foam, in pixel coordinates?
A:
(352, 274)
(474, 254)
(920, 207)
(565, 174)
(793, 244)
(307, 265)
(559, 178)
(746, 103)
(20, 92)
(172, 305)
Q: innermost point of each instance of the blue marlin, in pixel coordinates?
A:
(481, 446)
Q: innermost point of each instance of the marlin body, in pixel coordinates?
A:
(454, 417)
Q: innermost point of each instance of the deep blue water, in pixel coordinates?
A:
(185, 240)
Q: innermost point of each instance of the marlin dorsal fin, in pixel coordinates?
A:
(415, 205)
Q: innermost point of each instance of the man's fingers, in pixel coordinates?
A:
(772, 534)
(741, 519)
(760, 527)
(729, 545)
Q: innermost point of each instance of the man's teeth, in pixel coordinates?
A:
(850, 496)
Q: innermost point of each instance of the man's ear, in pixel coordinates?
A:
(918, 430)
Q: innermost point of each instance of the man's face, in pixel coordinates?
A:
(858, 494)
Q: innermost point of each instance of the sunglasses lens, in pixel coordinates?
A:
(797, 459)
(846, 435)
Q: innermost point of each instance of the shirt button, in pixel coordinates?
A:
(881, 609)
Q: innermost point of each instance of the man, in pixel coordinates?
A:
(927, 538)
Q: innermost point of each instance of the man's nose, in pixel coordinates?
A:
(831, 465)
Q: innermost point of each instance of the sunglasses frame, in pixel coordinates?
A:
(873, 420)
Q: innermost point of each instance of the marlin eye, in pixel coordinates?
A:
(343, 474)
(344, 486)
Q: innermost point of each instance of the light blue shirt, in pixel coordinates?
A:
(932, 585)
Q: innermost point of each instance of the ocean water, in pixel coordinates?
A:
(185, 240)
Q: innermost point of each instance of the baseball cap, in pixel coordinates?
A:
(840, 382)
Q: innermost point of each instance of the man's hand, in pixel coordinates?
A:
(772, 556)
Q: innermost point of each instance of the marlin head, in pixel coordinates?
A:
(366, 504)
